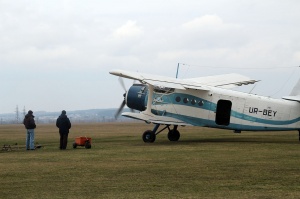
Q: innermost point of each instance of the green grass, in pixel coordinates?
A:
(205, 163)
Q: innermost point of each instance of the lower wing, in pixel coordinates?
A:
(155, 119)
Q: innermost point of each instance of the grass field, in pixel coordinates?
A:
(205, 163)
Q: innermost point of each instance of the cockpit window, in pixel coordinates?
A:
(165, 90)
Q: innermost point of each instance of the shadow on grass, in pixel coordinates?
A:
(232, 140)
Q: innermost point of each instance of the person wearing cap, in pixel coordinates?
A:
(30, 126)
(64, 124)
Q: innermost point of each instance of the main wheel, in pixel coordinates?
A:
(87, 145)
(149, 136)
(173, 135)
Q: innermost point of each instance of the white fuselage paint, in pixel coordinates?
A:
(248, 111)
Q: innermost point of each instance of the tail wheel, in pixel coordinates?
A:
(173, 135)
(149, 136)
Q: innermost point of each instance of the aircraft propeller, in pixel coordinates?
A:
(124, 101)
(122, 84)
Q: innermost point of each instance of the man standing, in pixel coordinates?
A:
(64, 124)
(30, 126)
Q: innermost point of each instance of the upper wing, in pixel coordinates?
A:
(224, 81)
(155, 119)
(157, 80)
(202, 83)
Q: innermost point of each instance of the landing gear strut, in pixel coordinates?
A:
(150, 136)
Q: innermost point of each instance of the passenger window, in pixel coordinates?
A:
(185, 100)
(200, 103)
(193, 102)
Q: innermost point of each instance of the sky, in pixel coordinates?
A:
(57, 54)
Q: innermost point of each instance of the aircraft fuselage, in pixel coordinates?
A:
(227, 109)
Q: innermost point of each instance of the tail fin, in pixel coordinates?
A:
(296, 89)
(295, 94)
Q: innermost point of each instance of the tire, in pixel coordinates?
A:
(87, 145)
(74, 145)
(173, 135)
(149, 136)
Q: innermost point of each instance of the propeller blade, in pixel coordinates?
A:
(122, 83)
(120, 109)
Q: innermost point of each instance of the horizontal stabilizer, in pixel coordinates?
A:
(150, 118)
(292, 98)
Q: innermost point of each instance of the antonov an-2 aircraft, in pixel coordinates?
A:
(207, 102)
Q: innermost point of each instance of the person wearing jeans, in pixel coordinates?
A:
(30, 126)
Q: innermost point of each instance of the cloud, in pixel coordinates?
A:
(204, 22)
(208, 23)
(210, 31)
(203, 40)
(128, 30)
(44, 38)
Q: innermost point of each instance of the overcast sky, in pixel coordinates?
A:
(57, 54)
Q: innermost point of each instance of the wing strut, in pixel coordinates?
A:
(149, 102)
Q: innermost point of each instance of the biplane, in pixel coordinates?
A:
(205, 102)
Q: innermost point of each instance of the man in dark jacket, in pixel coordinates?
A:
(64, 124)
(30, 126)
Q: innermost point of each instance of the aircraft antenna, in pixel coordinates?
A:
(282, 87)
(177, 71)
(252, 89)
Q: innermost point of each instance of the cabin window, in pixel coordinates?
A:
(200, 103)
(223, 112)
(185, 100)
(193, 102)
(178, 99)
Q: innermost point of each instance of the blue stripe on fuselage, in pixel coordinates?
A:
(210, 106)
(209, 123)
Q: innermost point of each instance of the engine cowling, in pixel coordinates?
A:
(136, 97)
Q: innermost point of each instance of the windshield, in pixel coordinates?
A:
(165, 90)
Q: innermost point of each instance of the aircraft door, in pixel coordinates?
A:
(223, 112)
(227, 110)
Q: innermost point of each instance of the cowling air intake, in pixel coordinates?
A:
(136, 97)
